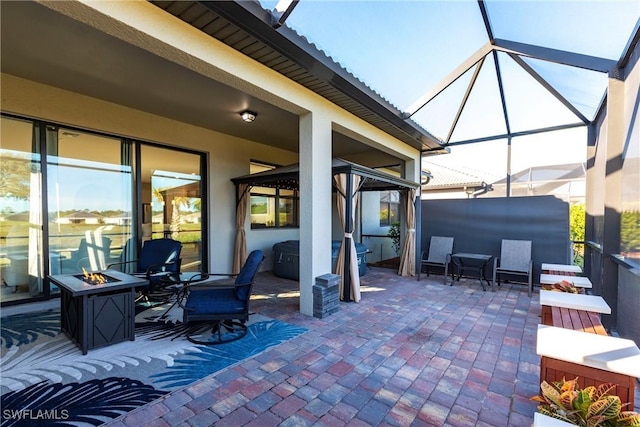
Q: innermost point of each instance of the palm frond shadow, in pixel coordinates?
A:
(92, 402)
(22, 329)
(209, 359)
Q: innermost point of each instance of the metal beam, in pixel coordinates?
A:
(448, 80)
(631, 44)
(587, 62)
(517, 134)
(503, 101)
(485, 19)
(548, 86)
(282, 11)
(465, 98)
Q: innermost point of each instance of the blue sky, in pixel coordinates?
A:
(401, 49)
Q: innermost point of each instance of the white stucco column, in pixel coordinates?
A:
(315, 204)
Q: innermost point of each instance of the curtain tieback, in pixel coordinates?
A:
(411, 230)
(348, 235)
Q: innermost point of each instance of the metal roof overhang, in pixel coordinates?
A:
(248, 28)
(287, 177)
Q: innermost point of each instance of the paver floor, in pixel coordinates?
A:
(408, 354)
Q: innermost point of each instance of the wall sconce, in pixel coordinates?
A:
(248, 116)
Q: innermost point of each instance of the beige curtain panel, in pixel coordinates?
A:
(240, 249)
(341, 184)
(408, 258)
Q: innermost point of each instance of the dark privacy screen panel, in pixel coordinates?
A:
(479, 225)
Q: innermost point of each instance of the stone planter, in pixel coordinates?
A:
(540, 420)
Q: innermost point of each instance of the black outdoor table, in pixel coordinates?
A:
(95, 315)
(472, 262)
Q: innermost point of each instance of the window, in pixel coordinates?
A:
(273, 207)
(389, 207)
(90, 197)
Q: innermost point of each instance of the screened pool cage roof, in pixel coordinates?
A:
(437, 73)
(471, 71)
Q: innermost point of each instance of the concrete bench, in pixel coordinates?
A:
(588, 303)
(569, 270)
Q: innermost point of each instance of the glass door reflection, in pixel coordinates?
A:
(171, 186)
(89, 200)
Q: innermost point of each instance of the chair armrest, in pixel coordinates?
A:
(223, 274)
(186, 289)
(121, 263)
(158, 268)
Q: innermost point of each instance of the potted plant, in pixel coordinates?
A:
(591, 407)
(394, 234)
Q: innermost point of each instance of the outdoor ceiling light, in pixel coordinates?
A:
(248, 116)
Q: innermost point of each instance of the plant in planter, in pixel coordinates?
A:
(589, 407)
(563, 286)
(394, 234)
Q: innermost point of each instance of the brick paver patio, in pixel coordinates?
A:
(409, 353)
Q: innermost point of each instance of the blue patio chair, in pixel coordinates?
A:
(515, 259)
(219, 306)
(157, 258)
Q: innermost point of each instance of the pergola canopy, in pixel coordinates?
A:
(288, 177)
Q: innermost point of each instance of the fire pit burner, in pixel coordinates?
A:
(95, 278)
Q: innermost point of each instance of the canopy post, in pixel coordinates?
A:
(348, 228)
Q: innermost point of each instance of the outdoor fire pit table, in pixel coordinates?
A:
(97, 308)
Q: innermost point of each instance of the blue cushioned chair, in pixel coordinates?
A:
(220, 305)
(157, 258)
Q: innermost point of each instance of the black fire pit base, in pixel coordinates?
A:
(97, 315)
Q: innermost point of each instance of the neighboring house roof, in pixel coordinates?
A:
(566, 181)
(564, 172)
(449, 179)
(81, 215)
(22, 216)
(248, 28)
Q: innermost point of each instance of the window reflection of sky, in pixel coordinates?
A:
(88, 185)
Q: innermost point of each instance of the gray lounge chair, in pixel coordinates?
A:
(514, 259)
(439, 255)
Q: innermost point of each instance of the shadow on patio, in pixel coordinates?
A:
(409, 353)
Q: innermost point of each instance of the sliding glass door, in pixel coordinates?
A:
(72, 200)
(90, 200)
(21, 231)
(172, 194)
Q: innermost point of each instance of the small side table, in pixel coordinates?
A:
(472, 262)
